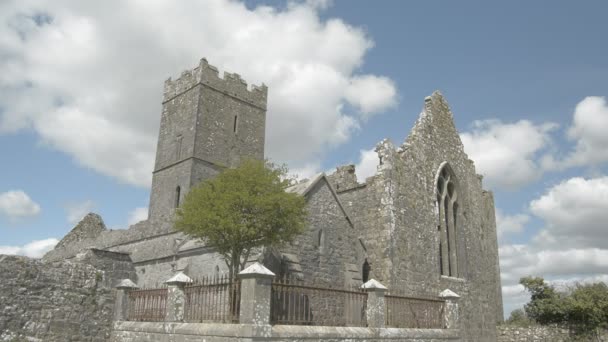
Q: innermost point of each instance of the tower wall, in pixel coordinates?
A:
(208, 123)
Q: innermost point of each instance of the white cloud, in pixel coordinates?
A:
(138, 214)
(573, 244)
(77, 210)
(16, 204)
(371, 94)
(368, 164)
(588, 129)
(307, 171)
(506, 153)
(510, 224)
(87, 76)
(34, 249)
(575, 211)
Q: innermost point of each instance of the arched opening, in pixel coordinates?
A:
(447, 213)
(178, 191)
(365, 271)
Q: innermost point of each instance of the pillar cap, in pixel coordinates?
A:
(373, 284)
(126, 284)
(179, 279)
(448, 294)
(256, 270)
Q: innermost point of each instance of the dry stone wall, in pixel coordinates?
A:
(59, 301)
(509, 333)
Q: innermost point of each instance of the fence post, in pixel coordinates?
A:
(375, 303)
(450, 313)
(256, 288)
(121, 302)
(176, 298)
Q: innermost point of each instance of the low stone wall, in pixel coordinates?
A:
(59, 301)
(536, 333)
(211, 332)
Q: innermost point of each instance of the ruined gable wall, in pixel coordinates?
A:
(396, 213)
(92, 233)
(434, 140)
(59, 301)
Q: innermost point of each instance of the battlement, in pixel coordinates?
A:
(231, 84)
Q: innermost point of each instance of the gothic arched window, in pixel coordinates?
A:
(447, 212)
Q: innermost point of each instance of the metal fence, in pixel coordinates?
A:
(148, 305)
(409, 312)
(213, 299)
(299, 304)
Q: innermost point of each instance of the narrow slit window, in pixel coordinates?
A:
(321, 240)
(235, 124)
(178, 191)
(178, 147)
(365, 271)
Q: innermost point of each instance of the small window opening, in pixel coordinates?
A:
(321, 240)
(177, 195)
(178, 147)
(234, 126)
(365, 271)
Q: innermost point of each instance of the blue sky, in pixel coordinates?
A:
(80, 90)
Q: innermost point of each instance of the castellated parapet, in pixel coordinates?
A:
(231, 84)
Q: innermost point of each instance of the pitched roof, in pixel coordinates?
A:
(304, 187)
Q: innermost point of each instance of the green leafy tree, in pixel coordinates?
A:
(518, 317)
(242, 209)
(588, 307)
(583, 308)
(546, 305)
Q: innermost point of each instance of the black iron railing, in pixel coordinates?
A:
(213, 299)
(148, 305)
(299, 304)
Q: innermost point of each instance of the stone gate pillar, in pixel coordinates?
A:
(121, 302)
(256, 288)
(375, 303)
(176, 297)
(450, 314)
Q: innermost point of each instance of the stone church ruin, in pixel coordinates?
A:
(421, 226)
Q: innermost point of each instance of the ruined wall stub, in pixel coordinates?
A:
(207, 123)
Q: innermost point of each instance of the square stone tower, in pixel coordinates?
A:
(208, 123)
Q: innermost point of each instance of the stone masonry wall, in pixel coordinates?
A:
(67, 301)
(191, 332)
(508, 333)
(326, 260)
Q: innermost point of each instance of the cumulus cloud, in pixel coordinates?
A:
(87, 76)
(572, 245)
(575, 211)
(367, 166)
(16, 204)
(589, 131)
(371, 94)
(34, 249)
(138, 214)
(77, 210)
(510, 224)
(507, 153)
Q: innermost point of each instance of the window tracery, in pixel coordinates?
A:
(447, 213)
